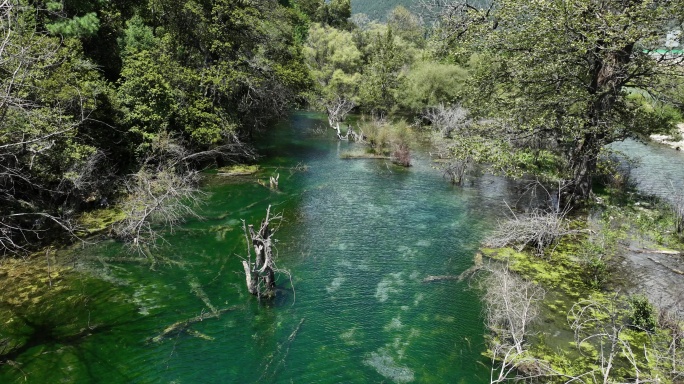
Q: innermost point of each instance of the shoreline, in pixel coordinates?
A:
(667, 139)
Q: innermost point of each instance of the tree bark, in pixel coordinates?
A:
(251, 280)
(260, 274)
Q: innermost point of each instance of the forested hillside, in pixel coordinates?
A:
(377, 10)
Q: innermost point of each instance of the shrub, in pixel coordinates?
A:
(642, 313)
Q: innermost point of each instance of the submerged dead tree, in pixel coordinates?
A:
(260, 272)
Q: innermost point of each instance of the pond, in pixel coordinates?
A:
(357, 236)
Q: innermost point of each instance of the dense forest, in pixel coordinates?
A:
(144, 95)
(134, 94)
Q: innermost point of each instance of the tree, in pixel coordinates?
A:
(407, 26)
(430, 84)
(334, 63)
(234, 63)
(562, 71)
(335, 13)
(383, 76)
(48, 92)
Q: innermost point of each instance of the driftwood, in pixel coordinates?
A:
(274, 181)
(677, 271)
(538, 229)
(465, 274)
(282, 355)
(183, 325)
(657, 252)
(431, 278)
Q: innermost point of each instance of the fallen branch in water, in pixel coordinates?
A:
(183, 325)
(276, 353)
(677, 271)
(657, 252)
(430, 279)
(465, 274)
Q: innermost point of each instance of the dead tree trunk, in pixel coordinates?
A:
(260, 273)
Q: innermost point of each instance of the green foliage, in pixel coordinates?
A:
(79, 26)
(430, 83)
(334, 63)
(574, 99)
(384, 75)
(332, 13)
(594, 265)
(643, 313)
(387, 138)
(54, 6)
(407, 26)
(329, 50)
(137, 37)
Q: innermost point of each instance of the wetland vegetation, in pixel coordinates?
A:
(284, 191)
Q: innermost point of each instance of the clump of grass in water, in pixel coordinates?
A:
(390, 139)
(238, 170)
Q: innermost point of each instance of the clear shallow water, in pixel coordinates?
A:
(660, 169)
(358, 237)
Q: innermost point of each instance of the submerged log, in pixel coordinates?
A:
(431, 278)
(279, 354)
(677, 271)
(181, 326)
(467, 273)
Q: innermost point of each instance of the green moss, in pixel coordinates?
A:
(557, 271)
(578, 268)
(99, 220)
(238, 170)
(40, 297)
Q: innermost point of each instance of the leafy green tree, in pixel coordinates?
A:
(335, 13)
(384, 74)
(50, 92)
(561, 72)
(308, 7)
(430, 83)
(147, 98)
(407, 26)
(335, 64)
(227, 65)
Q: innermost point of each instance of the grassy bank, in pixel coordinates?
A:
(598, 320)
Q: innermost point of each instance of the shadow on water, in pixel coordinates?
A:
(358, 237)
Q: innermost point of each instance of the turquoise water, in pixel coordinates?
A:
(659, 170)
(357, 236)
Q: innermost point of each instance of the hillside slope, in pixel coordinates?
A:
(377, 9)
